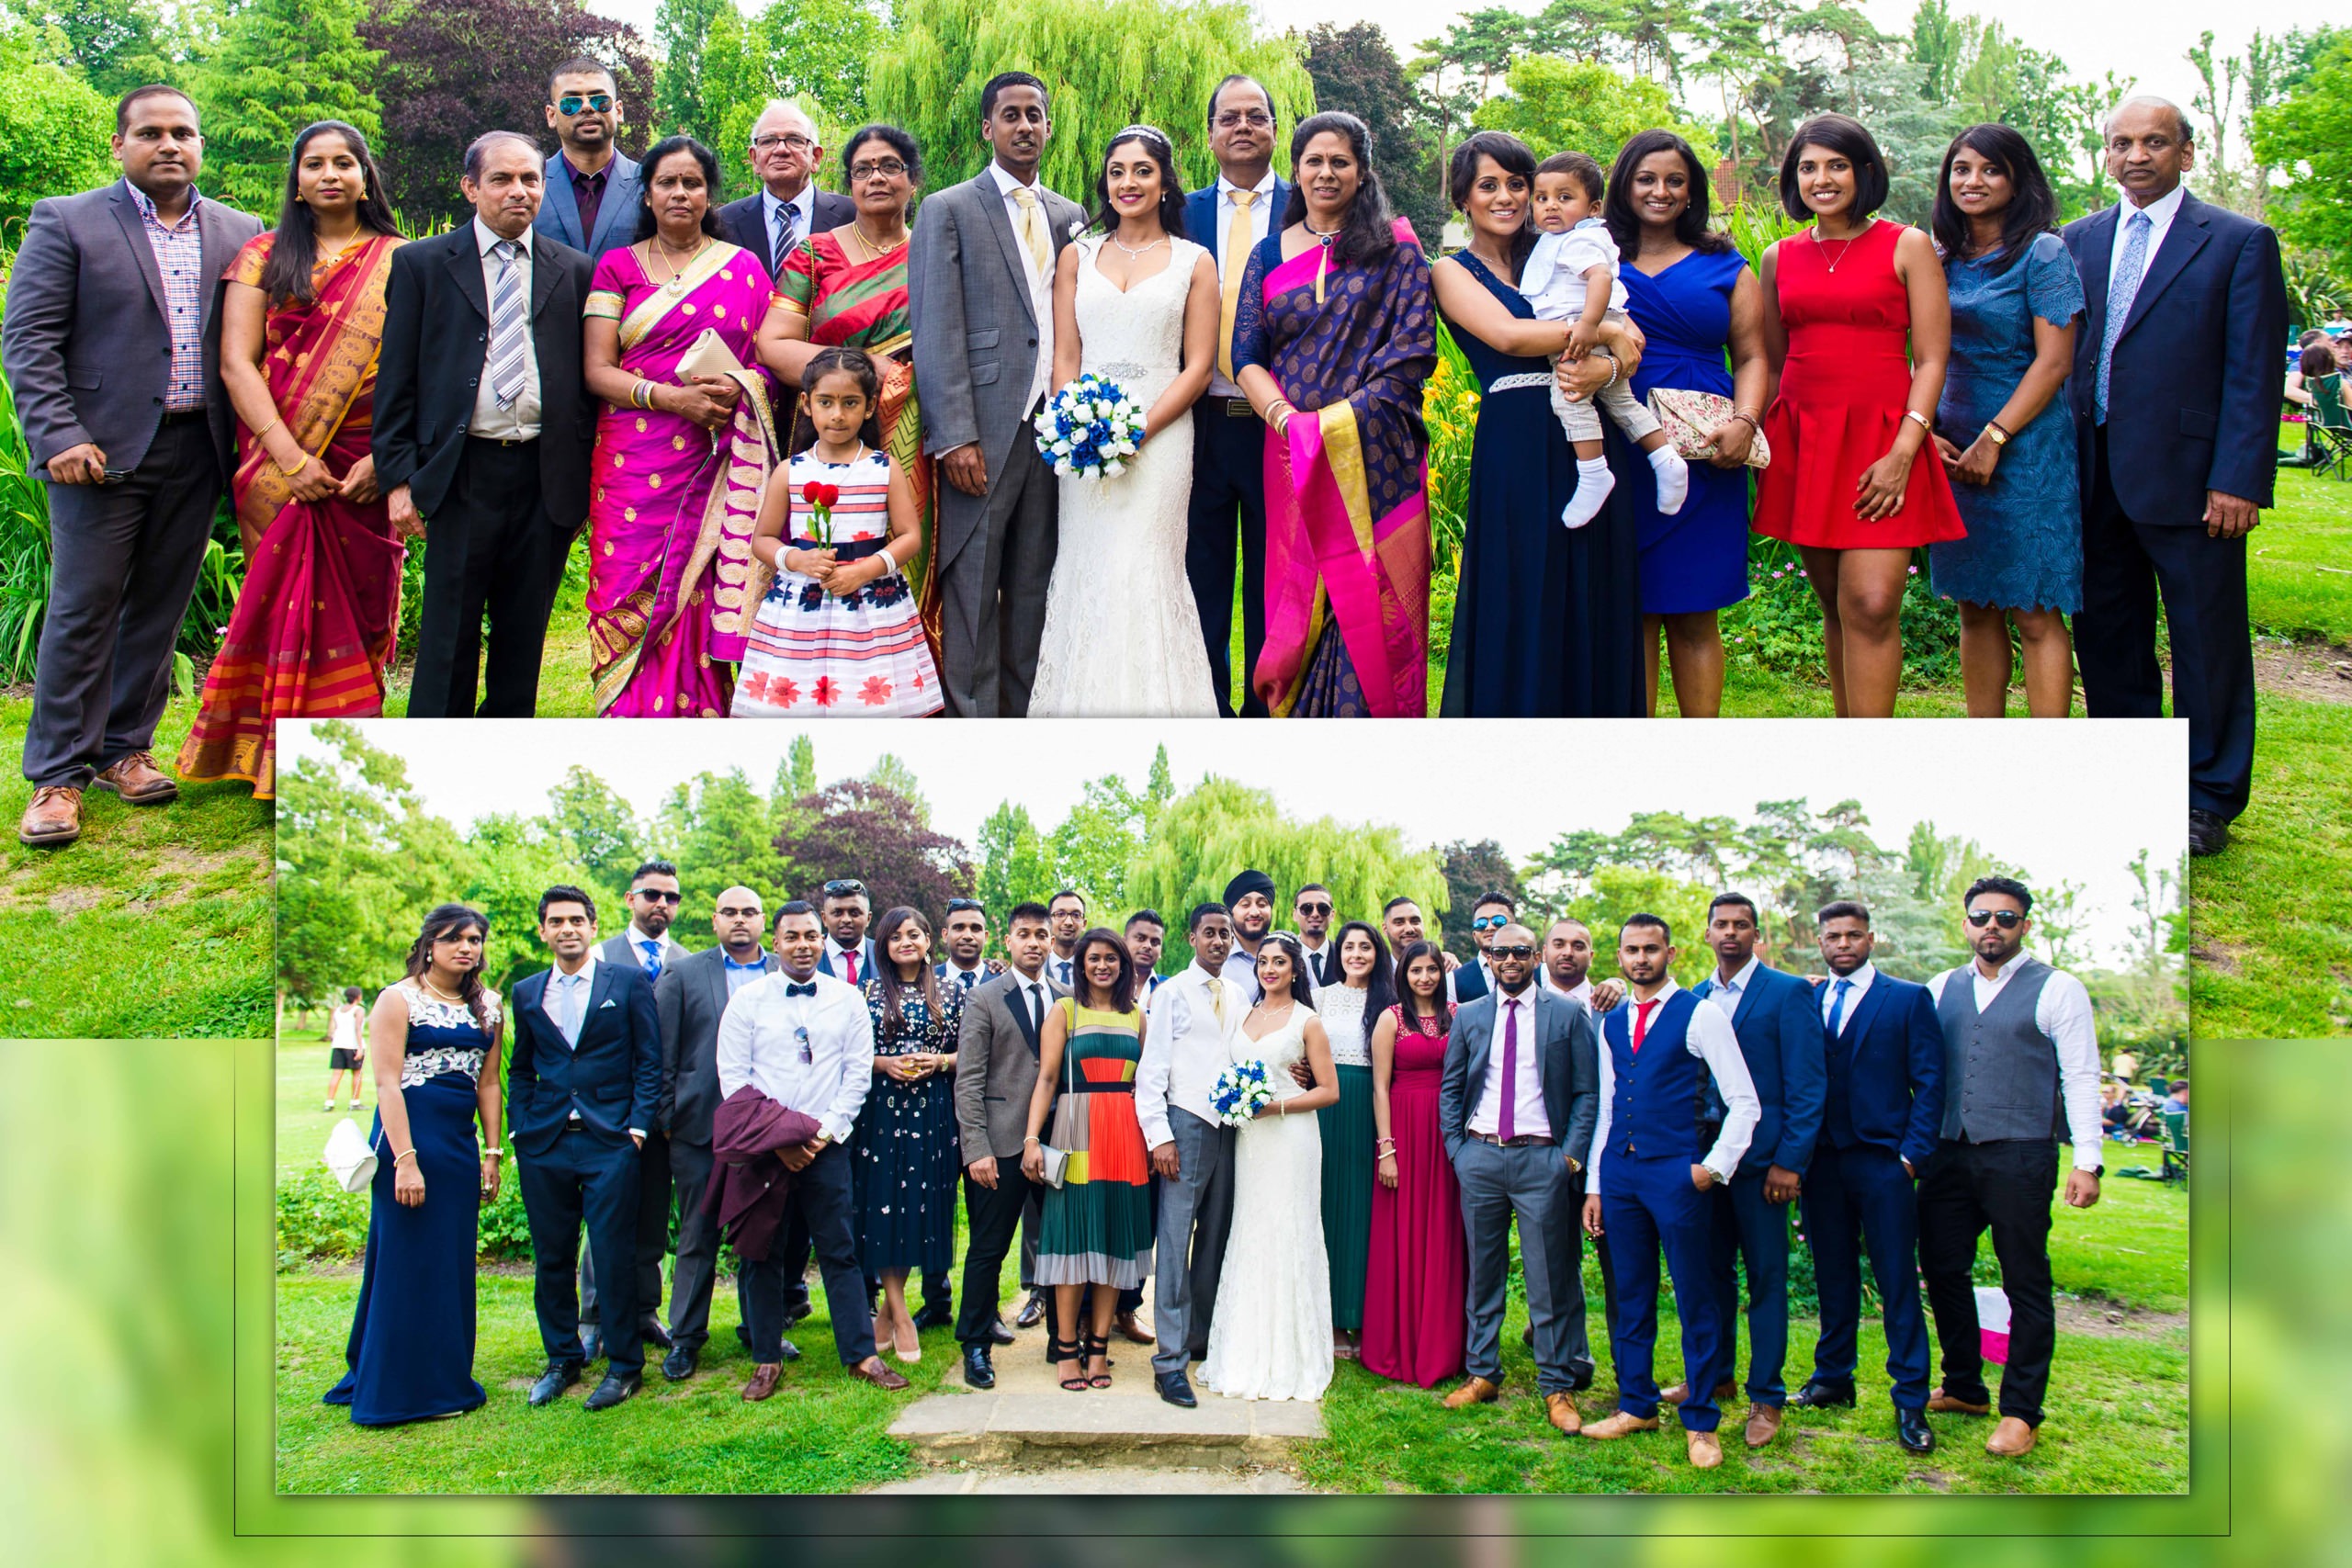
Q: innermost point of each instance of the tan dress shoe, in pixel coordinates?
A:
(871, 1370)
(2010, 1438)
(1763, 1425)
(1943, 1403)
(764, 1377)
(1680, 1393)
(139, 780)
(1562, 1409)
(1476, 1390)
(53, 818)
(1705, 1451)
(1133, 1332)
(1619, 1425)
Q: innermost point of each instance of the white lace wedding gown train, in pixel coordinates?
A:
(1270, 1336)
(1121, 638)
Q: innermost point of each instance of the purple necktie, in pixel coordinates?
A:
(1510, 1068)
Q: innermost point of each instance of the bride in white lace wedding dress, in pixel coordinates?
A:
(1270, 1336)
(1122, 636)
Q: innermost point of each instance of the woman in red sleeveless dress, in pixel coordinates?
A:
(1849, 483)
(1417, 1285)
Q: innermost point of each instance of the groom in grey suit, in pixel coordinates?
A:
(1516, 1100)
(980, 286)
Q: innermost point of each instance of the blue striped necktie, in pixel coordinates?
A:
(506, 338)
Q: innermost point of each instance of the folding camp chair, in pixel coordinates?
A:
(2176, 1125)
(2330, 426)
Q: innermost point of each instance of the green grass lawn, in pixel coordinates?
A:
(2299, 563)
(157, 924)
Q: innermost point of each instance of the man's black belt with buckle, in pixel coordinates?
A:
(1525, 1141)
(1238, 408)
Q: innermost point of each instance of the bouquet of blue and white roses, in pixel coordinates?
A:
(1241, 1090)
(1090, 427)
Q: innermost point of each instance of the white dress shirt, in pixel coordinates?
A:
(1527, 1093)
(1185, 1049)
(1709, 1038)
(2161, 212)
(1032, 992)
(521, 421)
(1727, 994)
(1062, 970)
(957, 977)
(1241, 968)
(667, 946)
(1862, 979)
(1041, 284)
(1262, 219)
(766, 1032)
(552, 1003)
(804, 217)
(2062, 1012)
(854, 953)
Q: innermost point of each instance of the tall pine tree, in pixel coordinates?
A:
(283, 64)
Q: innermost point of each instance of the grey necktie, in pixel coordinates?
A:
(2128, 271)
(507, 340)
(570, 984)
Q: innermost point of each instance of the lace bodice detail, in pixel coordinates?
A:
(1135, 338)
(443, 1036)
(1341, 1010)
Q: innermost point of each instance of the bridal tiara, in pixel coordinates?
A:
(1126, 131)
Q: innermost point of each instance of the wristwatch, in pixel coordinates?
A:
(1575, 1165)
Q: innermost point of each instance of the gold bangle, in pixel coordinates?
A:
(265, 429)
(286, 472)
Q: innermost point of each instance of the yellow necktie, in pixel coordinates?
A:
(1237, 262)
(1216, 1002)
(1032, 228)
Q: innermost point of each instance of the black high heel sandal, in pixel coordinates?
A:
(1093, 1347)
(1071, 1350)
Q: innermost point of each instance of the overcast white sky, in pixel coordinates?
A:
(2136, 38)
(2067, 802)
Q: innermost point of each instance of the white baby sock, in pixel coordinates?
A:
(1673, 480)
(1594, 482)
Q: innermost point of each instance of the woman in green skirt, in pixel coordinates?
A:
(1098, 1223)
(1348, 1010)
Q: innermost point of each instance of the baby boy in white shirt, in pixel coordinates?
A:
(1571, 275)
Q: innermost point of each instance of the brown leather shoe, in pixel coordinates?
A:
(1680, 1393)
(1705, 1451)
(871, 1370)
(139, 780)
(1032, 1311)
(1476, 1390)
(54, 818)
(1943, 1403)
(764, 1377)
(1562, 1409)
(1619, 1425)
(2011, 1439)
(1131, 1331)
(1763, 1425)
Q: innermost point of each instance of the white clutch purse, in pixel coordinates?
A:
(709, 355)
(350, 1157)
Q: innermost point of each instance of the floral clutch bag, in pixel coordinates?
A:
(1688, 417)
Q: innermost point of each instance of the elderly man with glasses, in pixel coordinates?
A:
(788, 207)
(2020, 1075)
(591, 185)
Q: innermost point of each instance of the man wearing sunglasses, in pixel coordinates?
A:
(1311, 910)
(648, 947)
(788, 208)
(1491, 914)
(593, 187)
(2020, 1075)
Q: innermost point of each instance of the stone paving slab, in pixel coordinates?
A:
(1119, 1481)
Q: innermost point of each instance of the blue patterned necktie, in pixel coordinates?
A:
(2128, 271)
(506, 337)
(652, 960)
(1837, 1005)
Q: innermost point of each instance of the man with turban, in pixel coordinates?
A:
(1251, 897)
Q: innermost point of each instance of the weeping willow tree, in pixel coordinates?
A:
(1219, 826)
(1106, 64)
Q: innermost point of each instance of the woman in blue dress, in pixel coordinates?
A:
(1695, 298)
(2005, 436)
(433, 1041)
(905, 1143)
(1546, 619)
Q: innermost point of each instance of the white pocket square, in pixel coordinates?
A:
(608, 1002)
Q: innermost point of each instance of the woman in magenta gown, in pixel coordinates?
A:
(1418, 1283)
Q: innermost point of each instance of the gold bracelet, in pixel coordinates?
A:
(285, 472)
(1029, 1140)
(404, 1154)
(265, 429)
(1921, 420)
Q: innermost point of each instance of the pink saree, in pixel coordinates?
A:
(672, 506)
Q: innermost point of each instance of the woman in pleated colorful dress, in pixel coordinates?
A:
(1349, 1011)
(1098, 1227)
(838, 631)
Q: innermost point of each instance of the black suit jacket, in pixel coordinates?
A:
(745, 222)
(2193, 391)
(691, 998)
(612, 1078)
(436, 340)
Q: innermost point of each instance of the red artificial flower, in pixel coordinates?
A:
(828, 496)
(813, 493)
(825, 692)
(875, 691)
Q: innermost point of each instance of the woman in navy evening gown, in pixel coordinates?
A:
(1695, 300)
(905, 1142)
(1546, 619)
(433, 1041)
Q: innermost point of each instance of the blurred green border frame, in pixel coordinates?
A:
(2025, 1532)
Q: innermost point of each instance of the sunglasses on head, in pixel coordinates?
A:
(957, 906)
(1490, 922)
(2010, 918)
(844, 888)
(572, 103)
(1518, 950)
(656, 895)
(1315, 908)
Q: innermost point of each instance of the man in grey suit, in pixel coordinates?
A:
(691, 997)
(1516, 1100)
(980, 286)
(112, 348)
(996, 1072)
(594, 188)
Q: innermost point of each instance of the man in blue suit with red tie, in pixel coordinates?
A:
(1881, 1115)
(1230, 217)
(1781, 1039)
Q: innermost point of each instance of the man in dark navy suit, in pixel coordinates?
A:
(772, 221)
(1228, 501)
(2177, 378)
(1881, 1110)
(583, 1090)
(1781, 1039)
